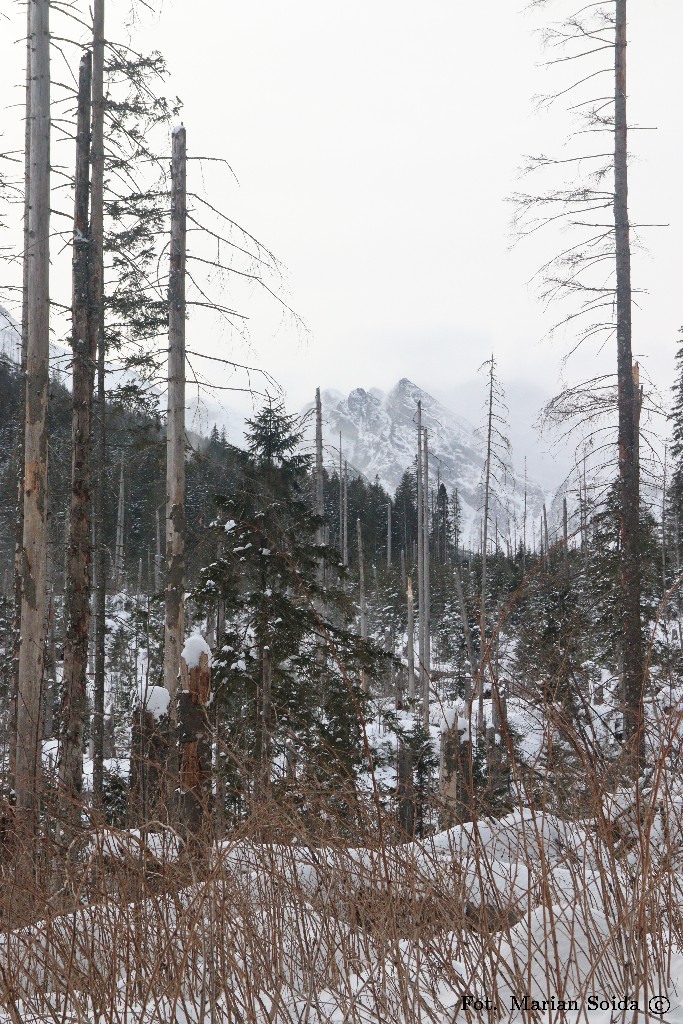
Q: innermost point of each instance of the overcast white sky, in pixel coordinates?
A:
(375, 143)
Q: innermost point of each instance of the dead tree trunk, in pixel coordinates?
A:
(632, 641)
(363, 605)
(120, 522)
(97, 355)
(427, 594)
(341, 503)
(194, 737)
(484, 554)
(420, 554)
(345, 527)
(31, 654)
(175, 429)
(319, 496)
(411, 642)
(19, 522)
(77, 633)
(389, 535)
(265, 729)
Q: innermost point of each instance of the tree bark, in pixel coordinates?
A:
(411, 642)
(389, 535)
(31, 654)
(97, 354)
(427, 594)
(194, 739)
(74, 702)
(19, 522)
(420, 554)
(484, 554)
(363, 605)
(632, 641)
(175, 430)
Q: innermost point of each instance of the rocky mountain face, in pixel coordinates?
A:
(379, 440)
(10, 338)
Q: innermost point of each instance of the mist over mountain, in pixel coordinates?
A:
(379, 438)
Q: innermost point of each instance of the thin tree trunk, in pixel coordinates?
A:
(194, 736)
(345, 531)
(120, 525)
(363, 605)
(21, 441)
(426, 589)
(97, 356)
(389, 535)
(77, 603)
(484, 554)
(420, 554)
(319, 495)
(411, 642)
(157, 555)
(632, 641)
(265, 744)
(175, 439)
(31, 653)
(341, 502)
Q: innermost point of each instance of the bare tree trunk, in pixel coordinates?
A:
(157, 556)
(363, 605)
(420, 554)
(31, 654)
(404, 579)
(341, 502)
(175, 430)
(265, 742)
(565, 529)
(632, 641)
(21, 453)
(97, 355)
(120, 523)
(411, 642)
(484, 554)
(319, 496)
(77, 603)
(389, 535)
(194, 737)
(426, 589)
(345, 531)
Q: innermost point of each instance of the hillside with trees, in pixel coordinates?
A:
(351, 721)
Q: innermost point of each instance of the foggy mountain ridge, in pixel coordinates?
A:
(379, 439)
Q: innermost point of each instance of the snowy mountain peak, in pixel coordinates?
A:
(379, 440)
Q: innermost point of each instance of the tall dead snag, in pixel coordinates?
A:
(420, 554)
(426, 590)
(389, 535)
(194, 736)
(264, 737)
(31, 653)
(411, 642)
(19, 522)
(175, 427)
(74, 703)
(97, 354)
(455, 772)
(363, 602)
(632, 640)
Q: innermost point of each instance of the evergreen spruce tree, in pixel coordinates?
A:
(267, 578)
